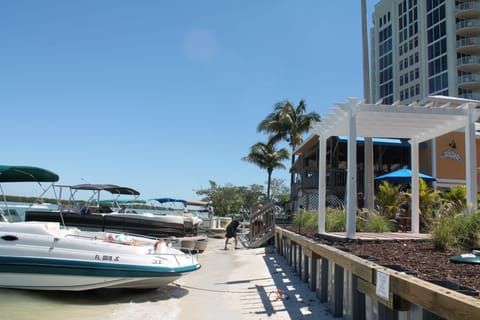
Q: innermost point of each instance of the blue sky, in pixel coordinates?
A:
(163, 96)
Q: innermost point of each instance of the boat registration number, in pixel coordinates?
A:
(106, 258)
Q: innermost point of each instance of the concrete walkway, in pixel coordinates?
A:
(242, 284)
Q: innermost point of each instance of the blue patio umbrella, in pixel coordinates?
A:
(401, 176)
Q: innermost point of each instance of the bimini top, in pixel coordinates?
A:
(124, 201)
(114, 189)
(26, 174)
(164, 200)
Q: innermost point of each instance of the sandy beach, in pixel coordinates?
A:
(243, 284)
(232, 284)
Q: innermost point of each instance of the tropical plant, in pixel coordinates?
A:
(388, 199)
(429, 199)
(454, 197)
(287, 122)
(267, 157)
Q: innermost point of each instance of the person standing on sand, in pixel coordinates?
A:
(231, 232)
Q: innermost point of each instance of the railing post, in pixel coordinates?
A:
(358, 301)
(324, 275)
(313, 273)
(306, 269)
(338, 294)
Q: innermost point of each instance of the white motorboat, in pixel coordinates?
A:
(46, 256)
(217, 226)
(214, 226)
(50, 256)
(96, 216)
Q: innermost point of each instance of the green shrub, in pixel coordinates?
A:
(459, 231)
(307, 220)
(442, 236)
(335, 220)
(377, 223)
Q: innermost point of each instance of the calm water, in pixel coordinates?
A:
(115, 304)
(95, 304)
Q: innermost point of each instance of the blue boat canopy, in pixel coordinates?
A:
(26, 174)
(164, 200)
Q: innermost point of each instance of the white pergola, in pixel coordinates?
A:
(418, 122)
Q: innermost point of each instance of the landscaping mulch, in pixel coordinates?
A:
(417, 257)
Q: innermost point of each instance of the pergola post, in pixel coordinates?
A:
(351, 171)
(415, 201)
(322, 185)
(470, 158)
(368, 176)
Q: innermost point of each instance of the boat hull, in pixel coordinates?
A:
(35, 281)
(155, 226)
(42, 256)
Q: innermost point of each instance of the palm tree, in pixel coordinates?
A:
(267, 157)
(287, 122)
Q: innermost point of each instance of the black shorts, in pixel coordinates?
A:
(231, 233)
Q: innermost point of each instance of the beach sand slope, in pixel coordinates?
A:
(244, 284)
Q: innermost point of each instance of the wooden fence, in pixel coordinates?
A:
(359, 289)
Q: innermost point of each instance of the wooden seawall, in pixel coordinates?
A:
(355, 288)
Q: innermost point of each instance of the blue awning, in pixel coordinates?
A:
(380, 141)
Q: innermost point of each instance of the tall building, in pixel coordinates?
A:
(421, 48)
(425, 47)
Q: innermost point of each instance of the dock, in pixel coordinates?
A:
(245, 284)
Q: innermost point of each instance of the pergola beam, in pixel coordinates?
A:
(417, 122)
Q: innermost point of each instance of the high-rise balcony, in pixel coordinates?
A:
(469, 45)
(469, 64)
(468, 10)
(468, 28)
(469, 81)
(471, 96)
